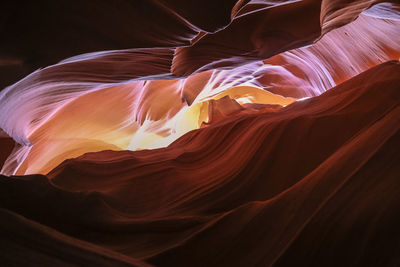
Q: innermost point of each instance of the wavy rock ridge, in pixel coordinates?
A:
(218, 198)
(54, 112)
(200, 133)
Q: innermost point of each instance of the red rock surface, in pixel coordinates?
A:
(313, 184)
(6, 146)
(35, 35)
(200, 133)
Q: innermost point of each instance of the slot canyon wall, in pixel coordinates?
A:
(200, 133)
